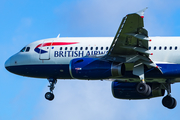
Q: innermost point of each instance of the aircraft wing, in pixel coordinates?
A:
(130, 43)
(131, 38)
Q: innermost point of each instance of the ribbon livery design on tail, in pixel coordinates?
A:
(139, 66)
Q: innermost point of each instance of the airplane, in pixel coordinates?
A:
(139, 66)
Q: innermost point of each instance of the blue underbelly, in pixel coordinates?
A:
(42, 71)
(62, 71)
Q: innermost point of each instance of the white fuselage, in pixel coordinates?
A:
(60, 51)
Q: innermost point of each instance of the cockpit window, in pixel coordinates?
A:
(27, 49)
(23, 49)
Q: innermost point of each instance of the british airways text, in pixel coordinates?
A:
(77, 53)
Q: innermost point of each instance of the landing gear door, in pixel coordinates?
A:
(45, 50)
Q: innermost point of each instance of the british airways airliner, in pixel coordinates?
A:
(140, 67)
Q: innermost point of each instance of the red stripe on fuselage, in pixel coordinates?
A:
(55, 44)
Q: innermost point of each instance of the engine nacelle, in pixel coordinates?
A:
(126, 90)
(94, 68)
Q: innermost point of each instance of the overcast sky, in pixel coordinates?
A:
(25, 21)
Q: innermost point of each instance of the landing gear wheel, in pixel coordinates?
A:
(149, 90)
(169, 102)
(49, 96)
(143, 89)
(174, 104)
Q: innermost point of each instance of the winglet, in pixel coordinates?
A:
(141, 12)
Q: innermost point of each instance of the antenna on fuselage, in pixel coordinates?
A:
(58, 36)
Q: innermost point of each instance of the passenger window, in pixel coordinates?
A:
(91, 48)
(154, 48)
(76, 48)
(71, 48)
(22, 50)
(170, 48)
(60, 48)
(65, 48)
(176, 48)
(149, 48)
(106, 48)
(86, 48)
(165, 48)
(96, 48)
(101, 48)
(159, 48)
(27, 49)
(81, 48)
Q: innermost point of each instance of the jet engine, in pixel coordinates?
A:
(94, 68)
(126, 90)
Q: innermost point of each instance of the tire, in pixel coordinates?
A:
(168, 102)
(142, 88)
(49, 96)
(149, 90)
(174, 104)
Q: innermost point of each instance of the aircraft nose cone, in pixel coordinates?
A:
(7, 63)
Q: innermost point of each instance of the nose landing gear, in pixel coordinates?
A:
(49, 95)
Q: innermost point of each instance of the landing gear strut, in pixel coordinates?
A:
(168, 101)
(49, 95)
(142, 88)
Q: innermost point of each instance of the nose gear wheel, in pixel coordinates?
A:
(49, 95)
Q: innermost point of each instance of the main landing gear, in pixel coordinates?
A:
(143, 89)
(168, 101)
(49, 95)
